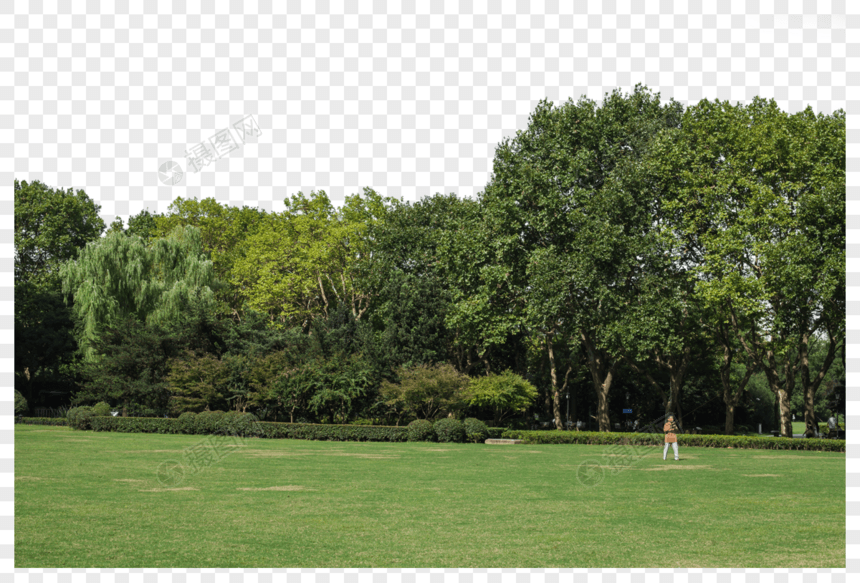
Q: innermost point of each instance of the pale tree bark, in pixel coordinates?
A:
(556, 414)
(602, 368)
(810, 385)
(762, 355)
(730, 397)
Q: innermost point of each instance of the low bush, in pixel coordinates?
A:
(20, 404)
(136, 424)
(234, 423)
(736, 441)
(450, 430)
(420, 430)
(496, 432)
(79, 417)
(332, 432)
(247, 427)
(206, 422)
(476, 430)
(101, 409)
(61, 421)
(188, 422)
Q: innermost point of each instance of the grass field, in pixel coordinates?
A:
(85, 499)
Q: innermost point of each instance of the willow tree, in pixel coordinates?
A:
(122, 276)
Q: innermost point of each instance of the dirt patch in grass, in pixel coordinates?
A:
(28, 478)
(146, 451)
(367, 456)
(128, 480)
(276, 489)
(676, 467)
(761, 475)
(786, 456)
(171, 490)
(266, 453)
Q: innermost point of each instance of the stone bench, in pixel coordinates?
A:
(503, 441)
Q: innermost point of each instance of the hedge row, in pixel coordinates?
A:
(243, 426)
(734, 441)
(42, 421)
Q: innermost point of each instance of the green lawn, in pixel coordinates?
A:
(85, 499)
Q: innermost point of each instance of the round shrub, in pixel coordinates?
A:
(476, 430)
(101, 409)
(79, 417)
(420, 430)
(450, 430)
(208, 422)
(188, 422)
(20, 404)
(203, 423)
(234, 423)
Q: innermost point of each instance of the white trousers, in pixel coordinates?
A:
(666, 449)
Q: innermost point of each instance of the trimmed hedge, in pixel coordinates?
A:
(242, 424)
(496, 432)
(42, 421)
(739, 442)
(450, 430)
(420, 430)
(332, 432)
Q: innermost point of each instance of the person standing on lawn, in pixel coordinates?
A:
(669, 429)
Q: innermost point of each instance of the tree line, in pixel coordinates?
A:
(633, 254)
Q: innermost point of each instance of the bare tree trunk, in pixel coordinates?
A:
(601, 377)
(730, 418)
(810, 386)
(784, 413)
(556, 409)
(731, 398)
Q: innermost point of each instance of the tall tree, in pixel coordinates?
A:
(564, 223)
(121, 276)
(224, 231)
(759, 195)
(308, 259)
(51, 225)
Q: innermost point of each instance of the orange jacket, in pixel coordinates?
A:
(669, 429)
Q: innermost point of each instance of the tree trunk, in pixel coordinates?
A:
(730, 398)
(730, 418)
(556, 410)
(603, 404)
(784, 413)
(601, 377)
(810, 386)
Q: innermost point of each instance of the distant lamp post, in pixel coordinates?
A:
(567, 398)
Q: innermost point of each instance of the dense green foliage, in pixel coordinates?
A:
(420, 430)
(59, 421)
(450, 430)
(245, 425)
(503, 394)
(727, 441)
(101, 409)
(633, 254)
(20, 404)
(476, 430)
